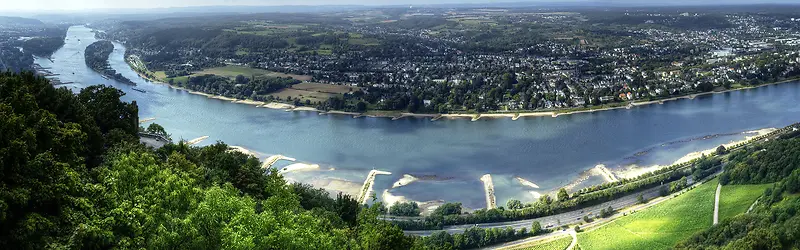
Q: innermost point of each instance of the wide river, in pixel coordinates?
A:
(449, 155)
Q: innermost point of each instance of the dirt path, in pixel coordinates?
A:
(716, 204)
(574, 239)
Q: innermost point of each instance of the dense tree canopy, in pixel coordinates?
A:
(774, 222)
(74, 176)
(405, 209)
(96, 57)
(763, 163)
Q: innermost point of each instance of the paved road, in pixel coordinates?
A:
(555, 220)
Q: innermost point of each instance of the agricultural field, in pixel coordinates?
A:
(304, 95)
(736, 199)
(232, 71)
(325, 88)
(263, 28)
(474, 21)
(313, 92)
(558, 244)
(657, 227)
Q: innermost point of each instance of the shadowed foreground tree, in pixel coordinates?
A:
(74, 177)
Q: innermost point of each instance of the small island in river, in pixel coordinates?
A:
(96, 57)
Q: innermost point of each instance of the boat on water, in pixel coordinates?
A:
(140, 90)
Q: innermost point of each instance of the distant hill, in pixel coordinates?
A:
(11, 20)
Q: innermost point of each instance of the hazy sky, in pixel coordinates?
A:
(41, 5)
(114, 4)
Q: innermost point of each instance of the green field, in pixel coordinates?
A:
(233, 70)
(657, 227)
(736, 199)
(314, 92)
(558, 244)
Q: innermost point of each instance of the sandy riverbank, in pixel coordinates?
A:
(526, 183)
(407, 179)
(334, 185)
(605, 173)
(267, 163)
(698, 154)
(636, 171)
(147, 120)
(295, 167)
(277, 105)
(306, 109)
(197, 140)
(245, 151)
(336, 112)
(404, 115)
(250, 102)
(425, 207)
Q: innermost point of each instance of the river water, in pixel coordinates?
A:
(451, 155)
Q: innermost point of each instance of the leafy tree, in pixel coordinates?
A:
(721, 150)
(154, 128)
(536, 228)
(563, 195)
(514, 204)
(448, 209)
(405, 209)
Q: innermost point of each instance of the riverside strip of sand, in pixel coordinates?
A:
(698, 154)
(366, 189)
(605, 173)
(305, 109)
(298, 167)
(637, 171)
(250, 102)
(404, 115)
(273, 159)
(525, 182)
(337, 185)
(277, 105)
(425, 207)
(407, 179)
(488, 188)
(147, 120)
(336, 112)
(196, 140)
(244, 151)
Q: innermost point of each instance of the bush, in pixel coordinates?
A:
(405, 209)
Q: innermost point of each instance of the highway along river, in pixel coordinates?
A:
(447, 158)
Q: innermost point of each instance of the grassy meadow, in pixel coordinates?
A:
(657, 227)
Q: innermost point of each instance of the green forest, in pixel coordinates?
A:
(96, 57)
(74, 176)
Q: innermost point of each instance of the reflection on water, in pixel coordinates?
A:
(551, 152)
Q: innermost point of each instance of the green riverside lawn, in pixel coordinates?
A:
(559, 244)
(736, 199)
(657, 227)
